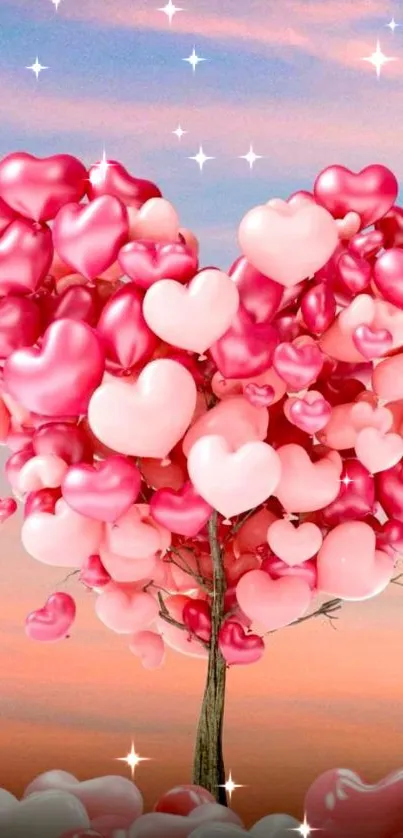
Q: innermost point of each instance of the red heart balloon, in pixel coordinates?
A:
(15, 463)
(259, 295)
(388, 275)
(44, 500)
(7, 508)
(370, 192)
(353, 272)
(64, 440)
(114, 179)
(356, 497)
(367, 244)
(88, 237)
(235, 568)
(20, 324)
(127, 339)
(288, 327)
(246, 348)
(197, 617)
(182, 512)
(93, 574)
(104, 491)
(237, 647)
(389, 536)
(7, 215)
(54, 620)
(391, 227)
(277, 569)
(146, 262)
(26, 253)
(75, 303)
(389, 490)
(39, 187)
(298, 366)
(318, 308)
(59, 378)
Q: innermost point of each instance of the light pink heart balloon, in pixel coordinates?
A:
(377, 451)
(294, 544)
(147, 418)
(365, 415)
(126, 613)
(349, 566)
(135, 535)
(62, 539)
(288, 242)
(306, 486)
(122, 569)
(349, 225)
(389, 317)
(310, 413)
(149, 647)
(272, 604)
(175, 638)
(233, 482)
(387, 378)
(337, 341)
(234, 418)
(157, 220)
(45, 471)
(193, 316)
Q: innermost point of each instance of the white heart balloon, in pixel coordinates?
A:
(46, 814)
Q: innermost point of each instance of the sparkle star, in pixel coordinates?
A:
(37, 67)
(56, 3)
(169, 10)
(378, 59)
(132, 760)
(98, 173)
(201, 158)
(230, 786)
(392, 25)
(179, 132)
(250, 157)
(304, 829)
(194, 59)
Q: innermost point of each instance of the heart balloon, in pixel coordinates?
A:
(288, 242)
(389, 486)
(353, 273)
(124, 612)
(387, 275)
(8, 506)
(183, 512)
(138, 419)
(146, 262)
(298, 366)
(45, 815)
(237, 647)
(277, 569)
(349, 566)
(183, 799)
(377, 451)
(43, 500)
(59, 378)
(259, 295)
(26, 252)
(76, 302)
(136, 535)
(387, 378)
(176, 638)
(111, 178)
(54, 620)
(192, 317)
(149, 647)
(306, 486)
(259, 395)
(294, 544)
(38, 188)
(370, 192)
(356, 497)
(125, 335)
(246, 349)
(272, 604)
(233, 482)
(234, 418)
(7, 215)
(44, 471)
(156, 221)
(88, 237)
(93, 574)
(318, 307)
(310, 413)
(197, 618)
(372, 343)
(20, 324)
(62, 539)
(104, 492)
(64, 440)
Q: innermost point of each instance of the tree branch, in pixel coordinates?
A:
(201, 581)
(327, 609)
(165, 615)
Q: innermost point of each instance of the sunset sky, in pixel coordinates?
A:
(289, 78)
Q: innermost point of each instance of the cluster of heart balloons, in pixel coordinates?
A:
(141, 395)
(57, 805)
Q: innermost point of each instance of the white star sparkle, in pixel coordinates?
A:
(392, 25)
(230, 786)
(98, 173)
(37, 67)
(179, 132)
(304, 829)
(132, 760)
(56, 3)
(194, 59)
(201, 158)
(378, 59)
(170, 10)
(251, 157)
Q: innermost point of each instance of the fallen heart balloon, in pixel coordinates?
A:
(53, 621)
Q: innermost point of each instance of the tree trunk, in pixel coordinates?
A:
(208, 767)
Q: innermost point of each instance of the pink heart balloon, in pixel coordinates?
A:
(197, 617)
(235, 419)
(7, 215)
(135, 535)
(147, 262)
(5, 423)
(63, 439)
(299, 366)
(387, 378)
(130, 570)
(26, 252)
(349, 566)
(310, 413)
(181, 800)
(20, 324)
(45, 471)
(259, 395)
(156, 221)
(126, 613)
(349, 225)
(183, 512)
(38, 188)
(125, 335)
(353, 273)
(337, 341)
(377, 451)
(59, 378)
(114, 179)
(54, 620)
(389, 485)
(272, 604)
(305, 486)
(259, 295)
(372, 343)
(64, 539)
(93, 574)
(138, 419)
(387, 273)
(233, 482)
(75, 302)
(104, 491)
(318, 308)
(237, 647)
(8, 507)
(370, 192)
(192, 317)
(294, 544)
(288, 242)
(389, 317)
(149, 647)
(88, 237)
(246, 349)
(277, 569)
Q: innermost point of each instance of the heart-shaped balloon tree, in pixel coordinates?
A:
(215, 454)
